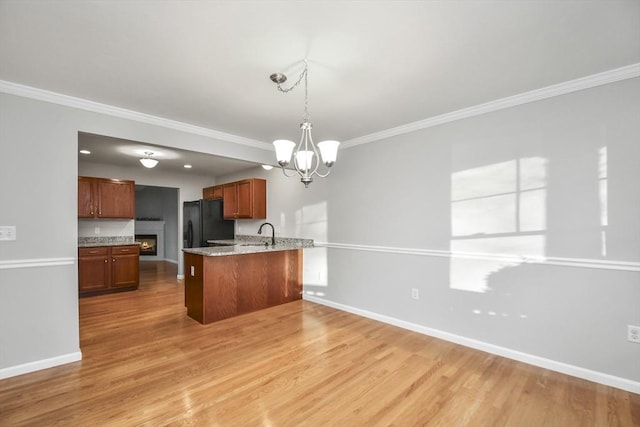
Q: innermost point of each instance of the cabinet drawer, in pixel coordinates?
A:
(123, 250)
(99, 250)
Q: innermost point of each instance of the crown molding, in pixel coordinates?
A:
(587, 82)
(606, 77)
(96, 107)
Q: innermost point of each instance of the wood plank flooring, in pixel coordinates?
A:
(145, 363)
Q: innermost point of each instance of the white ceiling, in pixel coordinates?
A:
(373, 65)
(126, 153)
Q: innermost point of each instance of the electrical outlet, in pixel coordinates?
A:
(633, 333)
(96, 230)
(415, 293)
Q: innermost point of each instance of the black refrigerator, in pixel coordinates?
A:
(202, 221)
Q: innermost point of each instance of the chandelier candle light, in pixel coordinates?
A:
(306, 156)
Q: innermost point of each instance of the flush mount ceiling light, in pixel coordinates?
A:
(306, 156)
(147, 161)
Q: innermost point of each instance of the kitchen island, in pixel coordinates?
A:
(242, 276)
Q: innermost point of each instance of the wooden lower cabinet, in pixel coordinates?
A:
(94, 269)
(219, 287)
(105, 269)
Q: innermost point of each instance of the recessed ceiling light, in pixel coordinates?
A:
(267, 167)
(187, 166)
(85, 152)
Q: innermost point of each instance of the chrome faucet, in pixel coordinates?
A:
(273, 232)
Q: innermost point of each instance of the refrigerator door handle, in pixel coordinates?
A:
(190, 234)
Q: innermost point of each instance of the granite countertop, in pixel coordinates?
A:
(92, 242)
(250, 245)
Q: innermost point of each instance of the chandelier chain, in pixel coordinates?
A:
(304, 75)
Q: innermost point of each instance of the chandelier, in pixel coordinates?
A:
(306, 156)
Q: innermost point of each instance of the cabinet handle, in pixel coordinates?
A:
(114, 260)
(106, 260)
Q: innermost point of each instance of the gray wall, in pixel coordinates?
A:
(498, 220)
(161, 202)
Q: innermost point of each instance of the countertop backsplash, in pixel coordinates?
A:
(106, 228)
(87, 242)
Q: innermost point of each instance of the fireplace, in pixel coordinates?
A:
(155, 229)
(148, 244)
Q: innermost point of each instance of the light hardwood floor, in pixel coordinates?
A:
(300, 364)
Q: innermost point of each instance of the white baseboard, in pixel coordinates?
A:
(553, 365)
(180, 277)
(38, 365)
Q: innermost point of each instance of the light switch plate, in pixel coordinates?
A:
(8, 232)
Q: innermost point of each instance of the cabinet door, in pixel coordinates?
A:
(217, 192)
(86, 197)
(94, 269)
(207, 193)
(244, 201)
(230, 204)
(214, 192)
(124, 266)
(116, 198)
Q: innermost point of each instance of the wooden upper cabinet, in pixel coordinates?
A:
(116, 198)
(87, 203)
(245, 199)
(106, 198)
(214, 192)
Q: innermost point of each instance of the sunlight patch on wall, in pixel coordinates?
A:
(311, 221)
(469, 274)
(496, 209)
(603, 177)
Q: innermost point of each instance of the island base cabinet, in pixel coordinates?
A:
(219, 287)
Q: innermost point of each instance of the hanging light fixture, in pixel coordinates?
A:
(147, 161)
(306, 156)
